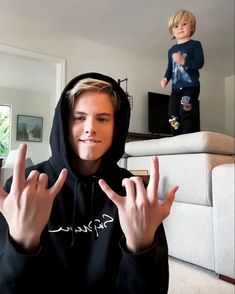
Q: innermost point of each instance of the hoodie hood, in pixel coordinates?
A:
(59, 141)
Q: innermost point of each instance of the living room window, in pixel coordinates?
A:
(5, 114)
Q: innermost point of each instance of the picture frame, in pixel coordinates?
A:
(29, 128)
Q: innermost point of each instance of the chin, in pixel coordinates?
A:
(89, 157)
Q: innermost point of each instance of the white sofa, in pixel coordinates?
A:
(6, 170)
(223, 216)
(200, 228)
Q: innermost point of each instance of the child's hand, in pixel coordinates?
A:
(164, 82)
(179, 58)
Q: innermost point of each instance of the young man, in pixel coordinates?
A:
(185, 59)
(78, 223)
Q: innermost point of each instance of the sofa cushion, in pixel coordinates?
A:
(199, 142)
(189, 232)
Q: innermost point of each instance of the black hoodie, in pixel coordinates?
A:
(83, 248)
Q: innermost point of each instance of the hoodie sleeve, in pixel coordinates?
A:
(13, 262)
(17, 267)
(145, 272)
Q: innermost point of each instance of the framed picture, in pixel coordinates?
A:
(29, 128)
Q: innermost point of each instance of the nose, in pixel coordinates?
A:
(90, 127)
(91, 132)
(180, 26)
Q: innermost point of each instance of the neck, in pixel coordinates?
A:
(87, 167)
(180, 41)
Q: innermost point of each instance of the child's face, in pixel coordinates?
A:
(182, 31)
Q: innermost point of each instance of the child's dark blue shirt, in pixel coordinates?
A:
(186, 75)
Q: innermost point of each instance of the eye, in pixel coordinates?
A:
(102, 119)
(79, 118)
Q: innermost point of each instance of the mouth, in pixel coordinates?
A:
(89, 141)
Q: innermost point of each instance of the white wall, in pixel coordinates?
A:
(212, 102)
(33, 104)
(143, 73)
(229, 106)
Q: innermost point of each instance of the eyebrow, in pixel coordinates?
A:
(100, 113)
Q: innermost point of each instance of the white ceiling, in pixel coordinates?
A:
(134, 25)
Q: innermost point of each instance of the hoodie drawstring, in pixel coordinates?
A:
(75, 203)
(74, 214)
(92, 207)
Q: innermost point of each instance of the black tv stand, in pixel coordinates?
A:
(132, 136)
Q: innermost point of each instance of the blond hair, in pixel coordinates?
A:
(91, 85)
(176, 18)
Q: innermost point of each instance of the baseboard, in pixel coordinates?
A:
(227, 279)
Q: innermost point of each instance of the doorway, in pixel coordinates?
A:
(30, 75)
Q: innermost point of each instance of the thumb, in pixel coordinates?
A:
(171, 195)
(109, 192)
(59, 183)
(169, 201)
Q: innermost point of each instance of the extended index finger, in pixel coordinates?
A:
(19, 167)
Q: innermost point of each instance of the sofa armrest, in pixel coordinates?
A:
(223, 217)
(7, 170)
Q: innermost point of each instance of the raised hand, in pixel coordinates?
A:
(164, 82)
(28, 205)
(140, 213)
(179, 58)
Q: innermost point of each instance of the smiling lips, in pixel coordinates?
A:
(89, 141)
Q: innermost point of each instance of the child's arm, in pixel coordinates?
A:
(168, 73)
(197, 61)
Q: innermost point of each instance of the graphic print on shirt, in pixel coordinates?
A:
(179, 73)
(95, 225)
